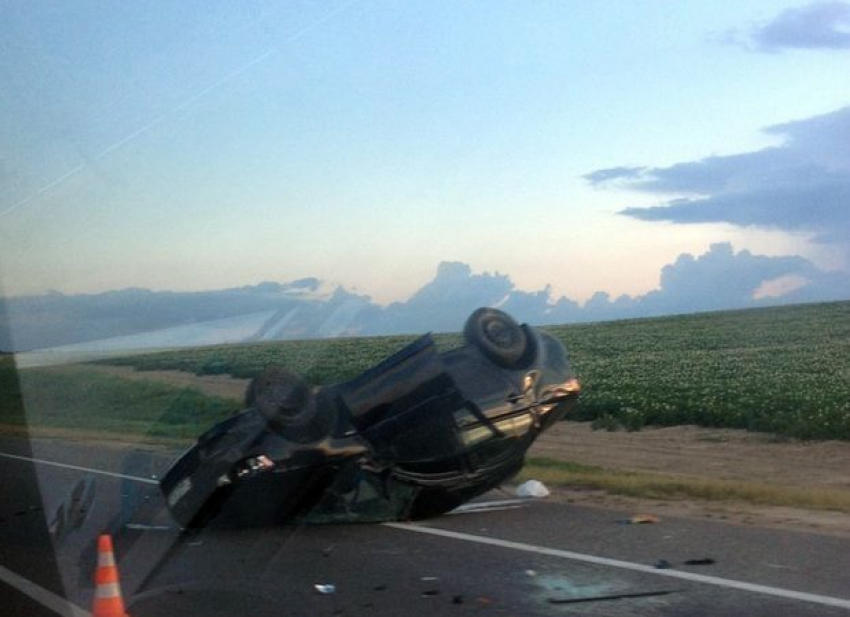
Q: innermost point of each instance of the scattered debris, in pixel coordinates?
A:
(531, 572)
(490, 506)
(430, 593)
(379, 588)
(663, 564)
(532, 488)
(613, 596)
(429, 578)
(705, 561)
(80, 501)
(325, 589)
(458, 599)
(640, 519)
(779, 566)
(644, 519)
(57, 527)
(29, 510)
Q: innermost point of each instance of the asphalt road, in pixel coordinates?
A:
(528, 558)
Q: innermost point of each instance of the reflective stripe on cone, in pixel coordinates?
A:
(107, 594)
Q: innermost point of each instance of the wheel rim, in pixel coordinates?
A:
(501, 334)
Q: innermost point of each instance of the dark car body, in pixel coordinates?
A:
(415, 436)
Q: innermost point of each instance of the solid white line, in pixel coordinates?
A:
(47, 598)
(78, 468)
(517, 546)
(43, 596)
(627, 565)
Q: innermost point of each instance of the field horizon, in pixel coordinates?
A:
(781, 370)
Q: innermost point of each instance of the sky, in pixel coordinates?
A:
(586, 146)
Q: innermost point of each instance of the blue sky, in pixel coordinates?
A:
(222, 144)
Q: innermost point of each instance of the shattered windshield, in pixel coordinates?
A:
(362, 308)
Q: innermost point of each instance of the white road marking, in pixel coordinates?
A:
(517, 546)
(626, 565)
(43, 596)
(78, 468)
(490, 506)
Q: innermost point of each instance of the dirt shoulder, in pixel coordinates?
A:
(707, 454)
(224, 386)
(691, 451)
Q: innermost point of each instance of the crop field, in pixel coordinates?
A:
(318, 361)
(783, 370)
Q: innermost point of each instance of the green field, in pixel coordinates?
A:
(783, 370)
(86, 402)
(780, 370)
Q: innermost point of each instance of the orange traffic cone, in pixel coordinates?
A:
(107, 592)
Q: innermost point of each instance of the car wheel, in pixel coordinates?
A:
(501, 339)
(278, 394)
(285, 400)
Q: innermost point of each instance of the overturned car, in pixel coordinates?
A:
(413, 437)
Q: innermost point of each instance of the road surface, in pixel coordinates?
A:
(502, 557)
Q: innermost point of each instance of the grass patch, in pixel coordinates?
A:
(659, 486)
(91, 435)
(91, 402)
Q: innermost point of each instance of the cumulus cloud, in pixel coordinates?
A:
(301, 308)
(719, 279)
(454, 291)
(815, 26)
(801, 185)
(723, 279)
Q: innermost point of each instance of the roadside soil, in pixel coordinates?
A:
(692, 451)
(707, 454)
(224, 386)
(683, 451)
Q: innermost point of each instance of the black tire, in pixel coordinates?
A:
(285, 400)
(501, 339)
(278, 394)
